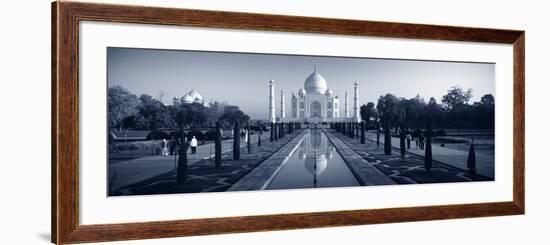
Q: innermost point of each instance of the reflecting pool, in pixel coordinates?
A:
(315, 163)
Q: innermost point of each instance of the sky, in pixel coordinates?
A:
(242, 78)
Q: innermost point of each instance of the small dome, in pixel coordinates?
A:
(195, 95)
(187, 99)
(301, 91)
(329, 93)
(315, 83)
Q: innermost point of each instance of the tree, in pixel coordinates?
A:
(488, 100)
(431, 112)
(483, 113)
(128, 122)
(181, 171)
(182, 118)
(154, 114)
(150, 109)
(233, 114)
(411, 110)
(236, 141)
(196, 112)
(402, 139)
(272, 132)
(367, 112)
(377, 133)
(472, 160)
(428, 150)
(215, 111)
(248, 144)
(363, 132)
(218, 146)
(456, 97)
(186, 114)
(121, 103)
(388, 109)
(260, 134)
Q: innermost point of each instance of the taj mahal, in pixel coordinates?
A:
(315, 103)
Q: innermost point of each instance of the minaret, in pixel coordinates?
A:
(282, 105)
(346, 112)
(271, 101)
(356, 102)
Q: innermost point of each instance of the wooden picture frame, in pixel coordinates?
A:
(65, 121)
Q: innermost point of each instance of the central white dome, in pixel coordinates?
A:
(195, 95)
(315, 83)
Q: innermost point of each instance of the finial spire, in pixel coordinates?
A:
(314, 68)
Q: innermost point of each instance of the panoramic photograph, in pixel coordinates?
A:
(183, 121)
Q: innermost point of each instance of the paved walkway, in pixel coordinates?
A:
(204, 177)
(262, 175)
(456, 158)
(363, 170)
(410, 169)
(136, 170)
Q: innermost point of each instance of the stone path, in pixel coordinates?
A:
(485, 162)
(204, 177)
(136, 170)
(409, 170)
(363, 170)
(261, 176)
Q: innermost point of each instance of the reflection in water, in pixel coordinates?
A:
(314, 164)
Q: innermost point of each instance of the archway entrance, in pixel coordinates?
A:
(315, 109)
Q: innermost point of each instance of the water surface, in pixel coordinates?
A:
(315, 163)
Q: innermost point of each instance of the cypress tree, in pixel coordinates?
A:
(428, 149)
(236, 141)
(387, 139)
(181, 172)
(363, 132)
(402, 141)
(377, 134)
(472, 160)
(357, 129)
(218, 146)
(248, 144)
(271, 131)
(260, 134)
(276, 131)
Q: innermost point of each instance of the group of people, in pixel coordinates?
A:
(170, 147)
(417, 137)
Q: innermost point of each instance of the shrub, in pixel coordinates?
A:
(175, 135)
(440, 132)
(198, 135)
(210, 135)
(416, 133)
(255, 127)
(137, 145)
(157, 135)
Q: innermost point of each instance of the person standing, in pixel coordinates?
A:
(164, 147)
(194, 145)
